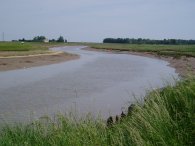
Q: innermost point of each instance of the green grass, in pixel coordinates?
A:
(167, 50)
(166, 118)
(27, 48)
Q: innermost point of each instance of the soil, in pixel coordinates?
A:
(32, 61)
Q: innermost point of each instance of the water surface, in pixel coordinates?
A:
(97, 83)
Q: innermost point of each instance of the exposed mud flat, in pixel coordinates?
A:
(28, 62)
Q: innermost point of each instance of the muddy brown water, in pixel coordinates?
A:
(98, 83)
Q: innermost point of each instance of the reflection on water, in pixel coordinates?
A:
(97, 83)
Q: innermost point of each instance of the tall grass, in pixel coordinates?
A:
(166, 118)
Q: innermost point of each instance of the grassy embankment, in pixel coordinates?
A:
(166, 118)
(27, 48)
(166, 50)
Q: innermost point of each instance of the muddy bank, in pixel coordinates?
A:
(183, 65)
(32, 61)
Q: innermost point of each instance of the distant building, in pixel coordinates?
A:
(46, 40)
(14, 40)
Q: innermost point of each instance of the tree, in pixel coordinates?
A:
(39, 39)
(60, 39)
(148, 41)
(22, 40)
(52, 40)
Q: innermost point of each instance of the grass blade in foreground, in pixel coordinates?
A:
(166, 118)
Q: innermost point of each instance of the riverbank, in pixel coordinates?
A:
(14, 62)
(180, 57)
(17, 55)
(184, 65)
(166, 118)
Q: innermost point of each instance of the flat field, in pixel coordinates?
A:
(165, 50)
(27, 48)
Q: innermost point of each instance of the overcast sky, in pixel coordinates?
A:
(93, 20)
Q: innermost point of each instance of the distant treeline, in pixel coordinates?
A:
(149, 41)
(43, 39)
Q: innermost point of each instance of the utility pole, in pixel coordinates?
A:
(3, 36)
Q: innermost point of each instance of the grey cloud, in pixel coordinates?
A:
(92, 20)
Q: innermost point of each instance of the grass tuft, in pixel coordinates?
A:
(166, 118)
